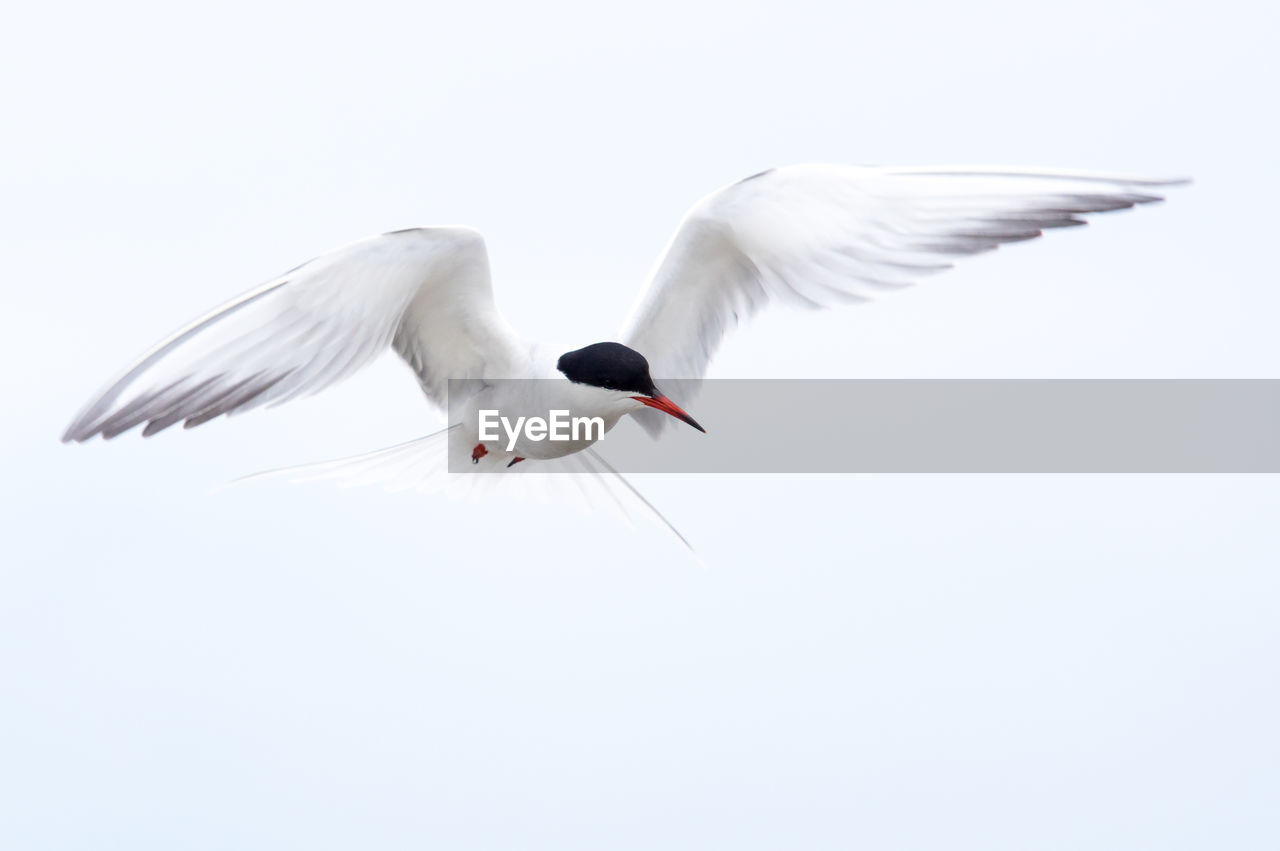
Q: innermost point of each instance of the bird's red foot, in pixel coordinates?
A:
(515, 461)
(478, 453)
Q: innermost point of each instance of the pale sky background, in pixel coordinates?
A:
(915, 662)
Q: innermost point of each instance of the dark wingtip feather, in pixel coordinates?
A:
(757, 174)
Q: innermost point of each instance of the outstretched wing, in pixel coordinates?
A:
(821, 235)
(426, 291)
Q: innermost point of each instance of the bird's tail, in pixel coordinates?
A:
(418, 465)
(584, 478)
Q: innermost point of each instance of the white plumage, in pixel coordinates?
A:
(815, 235)
(822, 235)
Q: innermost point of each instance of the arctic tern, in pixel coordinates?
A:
(819, 235)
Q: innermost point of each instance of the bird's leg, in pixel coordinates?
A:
(478, 453)
(515, 461)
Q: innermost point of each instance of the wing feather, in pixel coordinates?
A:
(821, 235)
(425, 290)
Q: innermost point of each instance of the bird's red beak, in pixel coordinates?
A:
(662, 403)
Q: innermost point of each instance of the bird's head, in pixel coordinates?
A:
(619, 376)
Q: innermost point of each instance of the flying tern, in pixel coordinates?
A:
(816, 235)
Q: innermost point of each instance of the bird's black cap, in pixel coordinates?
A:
(612, 366)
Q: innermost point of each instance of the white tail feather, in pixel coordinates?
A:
(584, 479)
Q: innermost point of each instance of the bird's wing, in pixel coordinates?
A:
(821, 235)
(425, 291)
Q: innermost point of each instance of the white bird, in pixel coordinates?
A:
(818, 235)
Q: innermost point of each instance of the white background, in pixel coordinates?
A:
(863, 662)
